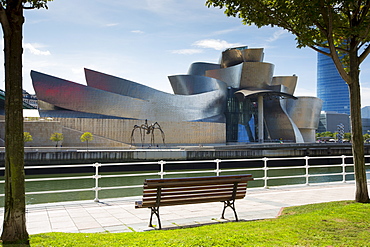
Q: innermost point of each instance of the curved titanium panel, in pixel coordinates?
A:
(250, 93)
(256, 75)
(231, 57)
(305, 111)
(288, 81)
(192, 84)
(74, 114)
(230, 75)
(122, 86)
(77, 97)
(191, 107)
(200, 68)
(253, 55)
(278, 123)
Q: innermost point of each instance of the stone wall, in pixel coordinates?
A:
(72, 139)
(117, 132)
(40, 131)
(175, 132)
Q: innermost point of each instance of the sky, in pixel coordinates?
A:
(147, 40)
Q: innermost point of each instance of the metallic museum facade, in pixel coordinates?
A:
(239, 92)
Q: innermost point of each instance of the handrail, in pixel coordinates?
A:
(162, 172)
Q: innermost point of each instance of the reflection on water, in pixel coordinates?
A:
(89, 183)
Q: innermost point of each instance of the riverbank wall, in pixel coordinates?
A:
(49, 156)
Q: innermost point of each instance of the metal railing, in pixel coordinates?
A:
(259, 167)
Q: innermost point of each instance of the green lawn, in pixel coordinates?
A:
(329, 224)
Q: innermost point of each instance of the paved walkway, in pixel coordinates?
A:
(119, 215)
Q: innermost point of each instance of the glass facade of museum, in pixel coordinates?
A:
(241, 119)
(331, 88)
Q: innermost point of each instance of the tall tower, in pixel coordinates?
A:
(331, 88)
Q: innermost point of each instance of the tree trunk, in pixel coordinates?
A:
(356, 125)
(14, 226)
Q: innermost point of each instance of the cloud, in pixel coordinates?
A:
(276, 35)
(111, 24)
(216, 44)
(187, 51)
(137, 31)
(33, 49)
(159, 6)
(226, 31)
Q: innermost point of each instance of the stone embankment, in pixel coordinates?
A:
(45, 156)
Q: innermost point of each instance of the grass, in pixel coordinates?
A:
(343, 223)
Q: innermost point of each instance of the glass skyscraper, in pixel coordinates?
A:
(331, 88)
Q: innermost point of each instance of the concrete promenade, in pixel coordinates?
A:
(119, 215)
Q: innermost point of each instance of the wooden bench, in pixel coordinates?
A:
(178, 191)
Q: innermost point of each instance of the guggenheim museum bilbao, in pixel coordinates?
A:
(238, 100)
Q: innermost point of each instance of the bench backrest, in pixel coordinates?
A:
(175, 191)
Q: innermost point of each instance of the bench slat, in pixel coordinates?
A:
(188, 201)
(184, 183)
(194, 194)
(222, 187)
(249, 176)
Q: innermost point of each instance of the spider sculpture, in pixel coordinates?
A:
(146, 129)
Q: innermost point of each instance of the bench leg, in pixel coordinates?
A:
(231, 205)
(155, 210)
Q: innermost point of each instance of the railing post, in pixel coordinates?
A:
(161, 163)
(217, 171)
(344, 168)
(96, 177)
(265, 169)
(307, 170)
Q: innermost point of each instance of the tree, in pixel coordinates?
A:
(366, 137)
(325, 134)
(56, 137)
(337, 28)
(347, 136)
(11, 19)
(86, 137)
(27, 137)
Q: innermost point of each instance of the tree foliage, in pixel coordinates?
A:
(367, 138)
(12, 19)
(339, 29)
(57, 137)
(27, 137)
(346, 136)
(86, 137)
(338, 25)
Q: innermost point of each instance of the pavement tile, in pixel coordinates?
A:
(66, 229)
(58, 224)
(118, 228)
(87, 225)
(83, 219)
(92, 230)
(37, 230)
(105, 222)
